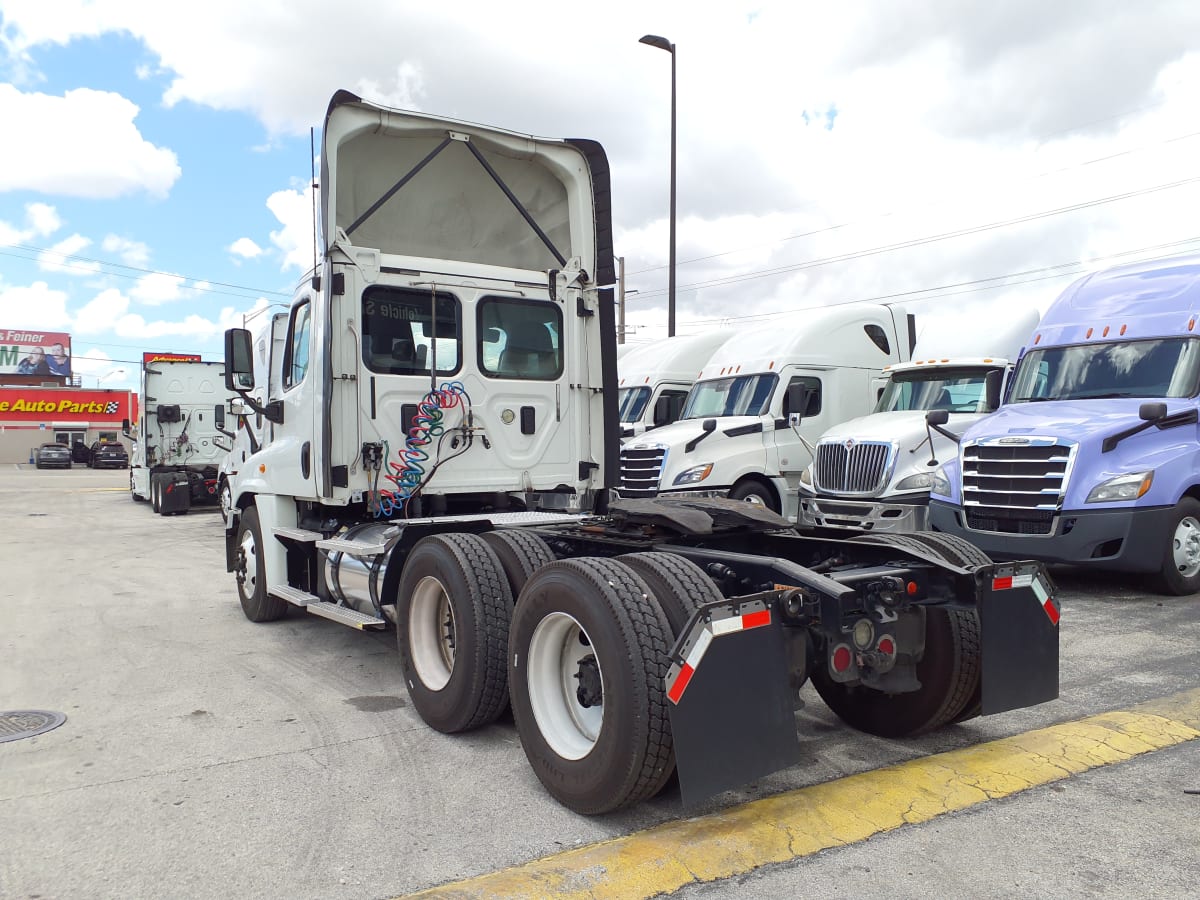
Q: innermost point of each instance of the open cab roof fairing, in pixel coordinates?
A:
(417, 186)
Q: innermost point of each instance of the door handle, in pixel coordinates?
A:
(305, 459)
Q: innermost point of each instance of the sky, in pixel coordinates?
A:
(962, 157)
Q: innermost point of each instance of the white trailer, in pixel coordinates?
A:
(873, 473)
(178, 440)
(761, 400)
(654, 379)
(438, 458)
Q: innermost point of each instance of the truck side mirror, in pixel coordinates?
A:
(796, 402)
(219, 416)
(1152, 412)
(708, 425)
(239, 360)
(991, 388)
(125, 427)
(662, 411)
(937, 417)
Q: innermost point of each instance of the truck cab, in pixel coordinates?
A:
(873, 473)
(747, 426)
(1094, 458)
(654, 379)
(433, 361)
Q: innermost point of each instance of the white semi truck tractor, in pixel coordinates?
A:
(873, 473)
(440, 446)
(178, 442)
(654, 379)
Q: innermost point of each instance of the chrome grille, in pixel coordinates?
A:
(858, 469)
(640, 471)
(1015, 488)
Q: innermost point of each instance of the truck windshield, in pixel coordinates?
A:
(745, 395)
(1167, 367)
(632, 403)
(957, 390)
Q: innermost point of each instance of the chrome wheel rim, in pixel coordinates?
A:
(1185, 547)
(248, 563)
(558, 650)
(431, 633)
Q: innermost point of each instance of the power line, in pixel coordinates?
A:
(884, 215)
(1045, 273)
(918, 242)
(196, 283)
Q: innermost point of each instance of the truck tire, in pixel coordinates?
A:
(958, 552)
(587, 666)
(948, 672)
(250, 570)
(453, 609)
(754, 491)
(155, 484)
(679, 585)
(520, 554)
(1180, 571)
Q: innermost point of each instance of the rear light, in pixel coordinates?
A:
(841, 658)
(887, 646)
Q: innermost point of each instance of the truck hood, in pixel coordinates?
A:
(677, 434)
(413, 185)
(905, 428)
(1079, 420)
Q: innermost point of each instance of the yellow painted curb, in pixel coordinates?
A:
(801, 822)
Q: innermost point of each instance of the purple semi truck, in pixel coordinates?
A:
(1094, 458)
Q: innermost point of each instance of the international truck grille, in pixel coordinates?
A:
(640, 471)
(858, 469)
(1014, 488)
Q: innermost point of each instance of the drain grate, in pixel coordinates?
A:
(23, 723)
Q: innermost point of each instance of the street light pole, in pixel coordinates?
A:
(663, 44)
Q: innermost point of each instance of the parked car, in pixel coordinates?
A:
(53, 456)
(108, 455)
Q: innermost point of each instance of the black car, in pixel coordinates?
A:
(80, 452)
(108, 455)
(53, 456)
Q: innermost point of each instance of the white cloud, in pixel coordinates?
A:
(245, 249)
(41, 220)
(131, 253)
(194, 328)
(101, 313)
(158, 288)
(48, 157)
(59, 258)
(294, 240)
(33, 306)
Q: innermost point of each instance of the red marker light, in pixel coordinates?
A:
(887, 646)
(911, 587)
(841, 659)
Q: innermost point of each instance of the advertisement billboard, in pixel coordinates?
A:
(152, 357)
(52, 405)
(34, 352)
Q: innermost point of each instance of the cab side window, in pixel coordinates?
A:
(814, 396)
(295, 359)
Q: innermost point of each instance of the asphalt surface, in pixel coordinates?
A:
(205, 756)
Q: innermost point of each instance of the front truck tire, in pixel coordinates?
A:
(1180, 571)
(251, 572)
(587, 665)
(453, 609)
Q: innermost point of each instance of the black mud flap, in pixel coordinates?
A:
(730, 700)
(176, 494)
(1018, 613)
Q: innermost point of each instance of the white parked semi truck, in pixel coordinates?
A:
(762, 400)
(439, 457)
(178, 440)
(654, 379)
(873, 473)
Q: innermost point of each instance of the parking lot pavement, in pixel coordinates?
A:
(205, 756)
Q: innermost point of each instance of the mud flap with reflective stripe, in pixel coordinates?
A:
(1018, 616)
(730, 700)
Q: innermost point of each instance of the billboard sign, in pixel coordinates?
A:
(52, 405)
(150, 357)
(34, 352)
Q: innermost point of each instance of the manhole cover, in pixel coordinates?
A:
(23, 723)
